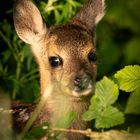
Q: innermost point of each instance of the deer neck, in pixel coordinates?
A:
(60, 105)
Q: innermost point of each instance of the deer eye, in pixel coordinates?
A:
(92, 57)
(55, 61)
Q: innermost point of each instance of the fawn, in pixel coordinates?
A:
(66, 56)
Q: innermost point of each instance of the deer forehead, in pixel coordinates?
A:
(69, 40)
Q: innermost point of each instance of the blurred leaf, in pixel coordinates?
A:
(65, 120)
(137, 131)
(108, 56)
(129, 78)
(39, 131)
(6, 55)
(56, 12)
(6, 28)
(121, 10)
(133, 103)
(132, 51)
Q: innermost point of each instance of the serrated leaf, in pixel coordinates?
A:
(109, 117)
(106, 91)
(105, 115)
(129, 78)
(133, 104)
(93, 111)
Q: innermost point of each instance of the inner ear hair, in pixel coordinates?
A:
(28, 22)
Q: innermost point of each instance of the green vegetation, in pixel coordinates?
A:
(102, 103)
(116, 101)
(101, 108)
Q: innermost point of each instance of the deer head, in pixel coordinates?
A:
(66, 54)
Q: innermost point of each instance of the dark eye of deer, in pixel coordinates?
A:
(55, 61)
(92, 57)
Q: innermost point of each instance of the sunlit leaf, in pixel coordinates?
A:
(94, 110)
(100, 109)
(109, 117)
(106, 91)
(129, 78)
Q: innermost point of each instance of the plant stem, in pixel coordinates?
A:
(84, 132)
(29, 76)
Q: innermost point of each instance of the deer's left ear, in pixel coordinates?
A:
(90, 14)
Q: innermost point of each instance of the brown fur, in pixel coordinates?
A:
(72, 42)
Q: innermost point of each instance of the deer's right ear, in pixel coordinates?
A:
(90, 14)
(28, 21)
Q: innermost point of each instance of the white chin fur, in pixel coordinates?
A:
(86, 92)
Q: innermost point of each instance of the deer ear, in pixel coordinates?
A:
(90, 14)
(28, 22)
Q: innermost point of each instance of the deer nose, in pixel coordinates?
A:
(82, 82)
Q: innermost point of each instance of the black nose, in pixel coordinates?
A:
(82, 82)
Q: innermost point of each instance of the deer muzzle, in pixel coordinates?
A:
(83, 85)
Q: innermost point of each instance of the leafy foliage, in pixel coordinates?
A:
(38, 131)
(133, 104)
(110, 117)
(106, 91)
(129, 78)
(61, 11)
(106, 94)
(65, 120)
(20, 59)
(101, 108)
(129, 81)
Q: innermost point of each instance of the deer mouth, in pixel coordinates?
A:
(83, 91)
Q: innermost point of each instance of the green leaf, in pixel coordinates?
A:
(129, 78)
(109, 117)
(106, 91)
(105, 115)
(94, 110)
(133, 104)
(65, 120)
(39, 131)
